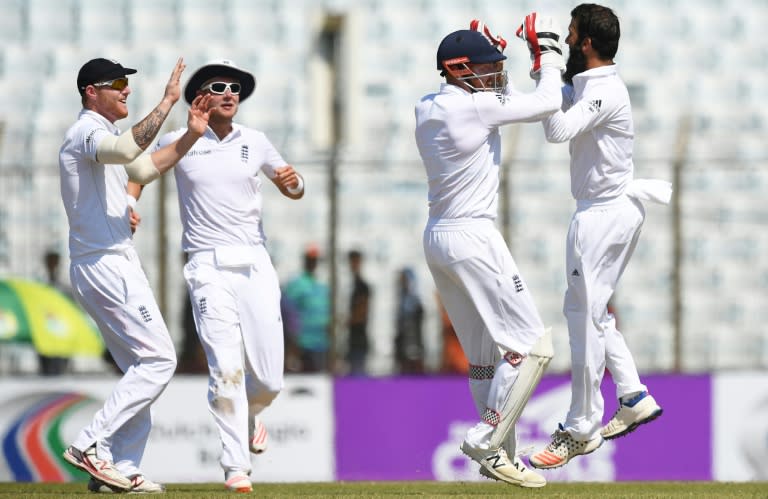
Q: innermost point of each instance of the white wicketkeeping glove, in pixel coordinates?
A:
(542, 34)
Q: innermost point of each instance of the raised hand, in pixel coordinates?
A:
(496, 40)
(199, 113)
(173, 87)
(542, 35)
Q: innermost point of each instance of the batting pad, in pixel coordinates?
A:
(531, 370)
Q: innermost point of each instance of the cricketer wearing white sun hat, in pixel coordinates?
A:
(218, 68)
(219, 183)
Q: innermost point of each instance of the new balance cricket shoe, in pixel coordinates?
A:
(141, 485)
(562, 449)
(528, 478)
(258, 442)
(238, 482)
(632, 413)
(100, 469)
(495, 464)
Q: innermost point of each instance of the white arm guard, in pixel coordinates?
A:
(142, 170)
(118, 150)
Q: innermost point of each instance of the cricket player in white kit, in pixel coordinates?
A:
(484, 293)
(232, 283)
(597, 120)
(96, 162)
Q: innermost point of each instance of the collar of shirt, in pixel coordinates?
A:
(236, 132)
(580, 80)
(450, 88)
(99, 119)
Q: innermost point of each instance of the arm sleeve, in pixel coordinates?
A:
(142, 170)
(117, 150)
(584, 115)
(515, 107)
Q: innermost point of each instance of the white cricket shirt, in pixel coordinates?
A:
(94, 194)
(597, 119)
(457, 133)
(220, 190)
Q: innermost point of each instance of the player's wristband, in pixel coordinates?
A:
(131, 201)
(299, 188)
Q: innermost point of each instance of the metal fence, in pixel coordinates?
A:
(694, 298)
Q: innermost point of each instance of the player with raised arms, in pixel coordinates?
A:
(484, 293)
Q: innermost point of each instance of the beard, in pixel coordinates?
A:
(577, 63)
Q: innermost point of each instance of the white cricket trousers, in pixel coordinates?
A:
(489, 305)
(113, 289)
(601, 239)
(237, 313)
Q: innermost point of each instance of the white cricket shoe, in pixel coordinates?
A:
(562, 449)
(495, 464)
(640, 410)
(258, 443)
(238, 481)
(100, 469)
(529, 478)
(141, 485)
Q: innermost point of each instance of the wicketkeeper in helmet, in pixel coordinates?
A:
(484, 293)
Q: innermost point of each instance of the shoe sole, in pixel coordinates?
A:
(258, 448)
(94, 473)
(528, 485)
(545, 466)
(259, 442)
(655, 414)
(241, 490)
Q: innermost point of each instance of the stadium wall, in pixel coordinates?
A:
(396, 429)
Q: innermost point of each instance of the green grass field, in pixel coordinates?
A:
(421, 489)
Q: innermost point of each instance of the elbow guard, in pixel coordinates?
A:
(142, 170)
(118, 150)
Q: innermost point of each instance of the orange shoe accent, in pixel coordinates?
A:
(547, 457)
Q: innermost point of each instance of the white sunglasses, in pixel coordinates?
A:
(221, 87)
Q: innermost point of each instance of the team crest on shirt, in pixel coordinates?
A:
(244, 153)
(145, 315)
(518, 282)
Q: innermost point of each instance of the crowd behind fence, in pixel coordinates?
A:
(695, 296)
(719, 280)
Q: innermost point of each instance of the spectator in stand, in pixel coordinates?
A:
(357, 324)
(312, 300)
(409, 342)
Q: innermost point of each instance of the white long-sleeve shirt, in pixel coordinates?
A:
(597, 120)
(94, 194)
(457, 133)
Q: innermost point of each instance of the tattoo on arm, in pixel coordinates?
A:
(144, 132)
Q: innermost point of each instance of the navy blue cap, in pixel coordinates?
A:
(98, 70)
(469, 44)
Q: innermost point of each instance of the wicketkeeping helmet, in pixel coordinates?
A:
(468, 47)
